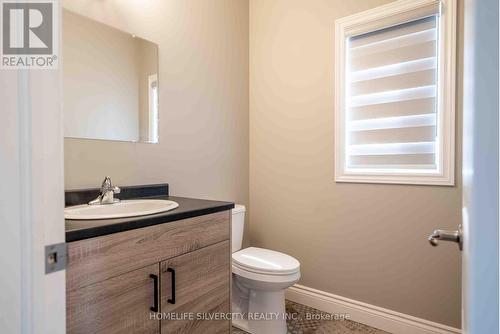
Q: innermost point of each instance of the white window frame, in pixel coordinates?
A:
(378, 18)
(153, 109)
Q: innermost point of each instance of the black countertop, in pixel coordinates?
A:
(188, 208)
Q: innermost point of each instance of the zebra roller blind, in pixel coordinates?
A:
(391, 98)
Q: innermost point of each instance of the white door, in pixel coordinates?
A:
(480, 225)
(31, 200)
(480, 168)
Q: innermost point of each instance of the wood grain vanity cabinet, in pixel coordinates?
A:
(197, 282)
(117, 305)
(179, 267)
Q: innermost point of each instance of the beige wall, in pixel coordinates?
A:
(367, 242)
(203, 150)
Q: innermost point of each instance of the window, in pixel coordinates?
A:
(395, 94)
(153, 107)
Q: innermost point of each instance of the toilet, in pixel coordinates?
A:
(260, 277)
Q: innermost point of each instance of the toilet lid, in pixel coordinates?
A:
(265, 261)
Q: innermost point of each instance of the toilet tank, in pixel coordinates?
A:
(237, 226)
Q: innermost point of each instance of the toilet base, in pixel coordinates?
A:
(241, 324)
(258, 311)
(266, 314)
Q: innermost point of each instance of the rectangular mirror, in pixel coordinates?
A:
(110, 82)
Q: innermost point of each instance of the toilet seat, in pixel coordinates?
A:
(265, 262)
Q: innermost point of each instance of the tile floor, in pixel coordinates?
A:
(300, 324)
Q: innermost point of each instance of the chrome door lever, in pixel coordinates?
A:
(446, 235)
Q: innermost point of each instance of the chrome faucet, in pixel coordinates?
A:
(107, 195)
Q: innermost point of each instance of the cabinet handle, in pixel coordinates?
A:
(154, 308)
(172, 300)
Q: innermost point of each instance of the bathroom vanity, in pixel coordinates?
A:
(168, 272)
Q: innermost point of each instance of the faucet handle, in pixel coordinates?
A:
(107, 193)
(106, 184)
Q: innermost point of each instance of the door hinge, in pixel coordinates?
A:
(55, 257)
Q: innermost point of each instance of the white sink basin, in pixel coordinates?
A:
(123, 209)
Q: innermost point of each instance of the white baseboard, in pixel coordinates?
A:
(374, 316)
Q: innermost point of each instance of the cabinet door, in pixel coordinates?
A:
(200, 289)
(117, 305)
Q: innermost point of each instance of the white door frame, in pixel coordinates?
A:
(31, 200)
(480, 292)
